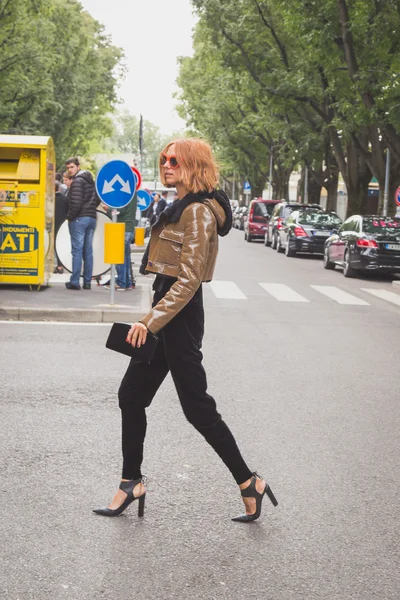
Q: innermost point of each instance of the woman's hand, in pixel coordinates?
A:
(137, 335)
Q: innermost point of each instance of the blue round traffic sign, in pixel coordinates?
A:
(144, 199)
(116, 184)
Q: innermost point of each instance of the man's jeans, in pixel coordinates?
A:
(82, 231)
(124, 279)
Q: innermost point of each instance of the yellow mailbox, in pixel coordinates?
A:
(27, 173)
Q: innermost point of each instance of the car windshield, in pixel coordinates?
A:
(288, 211)
(262, 210)
(319, 218)
(377, 225)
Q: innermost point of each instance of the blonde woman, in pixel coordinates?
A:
(182, 253)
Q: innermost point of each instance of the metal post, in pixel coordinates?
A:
(114, 213)
(155, 173)
(271, 160)
(386, 192)
(306, 186)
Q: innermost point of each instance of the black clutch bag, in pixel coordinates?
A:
(117, 341)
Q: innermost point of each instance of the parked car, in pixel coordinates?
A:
(240, 217)
(257, 219)
(234, 214)
(280, 213)
(306, 231)
(364, 243)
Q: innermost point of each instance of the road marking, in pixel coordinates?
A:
(68, 323)
(384, 295)
(227, 290)
(339, 295)
(283, 292)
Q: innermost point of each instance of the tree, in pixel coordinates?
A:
(51, 84)
(332, 64)
(125, 139)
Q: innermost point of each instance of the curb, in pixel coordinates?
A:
(72, 315)
(396, 282)
(79, 315)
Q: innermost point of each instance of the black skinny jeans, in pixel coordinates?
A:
(179, 352)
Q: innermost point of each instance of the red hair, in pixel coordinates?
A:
(198, 167)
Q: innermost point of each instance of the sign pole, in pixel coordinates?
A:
(114, 213)
(116, 184)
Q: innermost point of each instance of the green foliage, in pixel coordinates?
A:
(58, 73)
(125, 139)
(301, 72)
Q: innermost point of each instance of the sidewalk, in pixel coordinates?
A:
(56, 303)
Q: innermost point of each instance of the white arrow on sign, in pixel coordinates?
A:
(142, 202)
(109, 186)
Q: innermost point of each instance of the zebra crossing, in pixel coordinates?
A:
(229, 290)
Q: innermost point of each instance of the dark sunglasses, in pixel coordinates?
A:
(173, 163)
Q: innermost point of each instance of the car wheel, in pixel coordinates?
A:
(249, 238)
(266, 240)
(279, 248)
(289, 251)
(327, 263)
(348, 271)
(274, 242)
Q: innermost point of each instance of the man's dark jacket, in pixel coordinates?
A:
(82, 197)
(161, 206)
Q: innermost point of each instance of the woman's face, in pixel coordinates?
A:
(67, 181)
(172, 175)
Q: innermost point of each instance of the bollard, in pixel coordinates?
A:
(114, 248)
(139, 236)
(114, 243)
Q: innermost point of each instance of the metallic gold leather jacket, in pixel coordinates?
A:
(186, 250)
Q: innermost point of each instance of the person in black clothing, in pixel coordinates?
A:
(156, 208)
(60, 214)
(182, 254)
(82, 203)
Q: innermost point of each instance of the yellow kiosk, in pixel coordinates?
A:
(27, 173)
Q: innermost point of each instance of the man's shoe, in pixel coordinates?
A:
(72, 286)
(117, 287)
(87, 286)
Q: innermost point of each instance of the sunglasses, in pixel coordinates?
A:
(173, 163)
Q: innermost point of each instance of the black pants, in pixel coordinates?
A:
(179, 352)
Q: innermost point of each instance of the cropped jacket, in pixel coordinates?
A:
(186, 250)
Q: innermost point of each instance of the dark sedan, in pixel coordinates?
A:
(365, 243)
(306, 231)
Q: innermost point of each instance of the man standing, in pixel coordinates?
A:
(82, 203)
(156, 208)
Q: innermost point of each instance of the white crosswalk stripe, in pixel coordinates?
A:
(227, 290)
(384, 295)
(283, 292)
(339, 295)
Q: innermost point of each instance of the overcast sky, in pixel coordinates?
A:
(153, 33)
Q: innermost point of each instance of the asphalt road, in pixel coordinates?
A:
(309, 387)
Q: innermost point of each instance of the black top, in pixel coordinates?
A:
(82, 197)
(60, 211)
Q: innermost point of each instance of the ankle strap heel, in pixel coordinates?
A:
(251, 492)
(127, 487)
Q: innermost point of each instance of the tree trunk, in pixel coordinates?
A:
(332, 189)
(357, 176)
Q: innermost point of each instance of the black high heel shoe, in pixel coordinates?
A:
(127, 487)
(251, 492)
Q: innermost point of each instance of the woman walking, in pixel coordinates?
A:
(182, 252)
